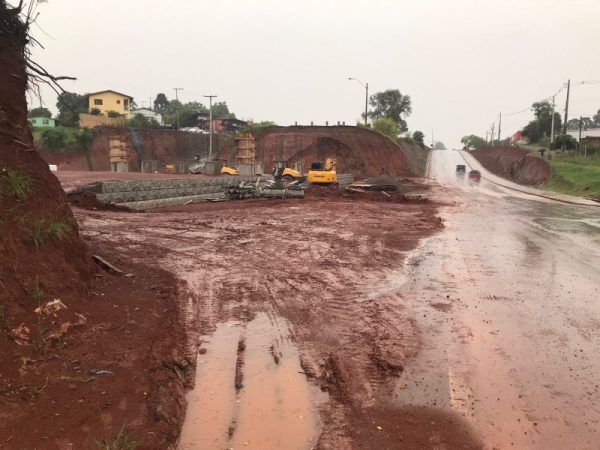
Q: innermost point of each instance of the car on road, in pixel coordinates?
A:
(461, 168)
(475, 175)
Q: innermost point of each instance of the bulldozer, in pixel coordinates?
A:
(226, 169)
(282, 170)
(323, 173)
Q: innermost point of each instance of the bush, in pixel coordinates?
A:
(95, 112)
(53, 139)
(114, 114)
(387, 127)
(569, 141)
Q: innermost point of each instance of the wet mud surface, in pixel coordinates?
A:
(338, 334)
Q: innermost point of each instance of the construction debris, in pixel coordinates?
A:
(51, 307)
(380, 183)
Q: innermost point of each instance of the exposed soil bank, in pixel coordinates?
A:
(514, 164)
(359, 151)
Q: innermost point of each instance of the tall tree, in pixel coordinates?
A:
(70, 105)
(221, 111)
(541, 126)
(161, 103)
(439, 146)
(391, 104)
(40, 112)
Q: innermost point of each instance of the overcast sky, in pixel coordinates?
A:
(461, 61)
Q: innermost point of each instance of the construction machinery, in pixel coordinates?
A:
(323, 173)
(226, 169)
(282, 170)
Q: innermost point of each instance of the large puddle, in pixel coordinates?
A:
(250, 391)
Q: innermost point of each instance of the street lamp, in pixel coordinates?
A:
(366, 86)
(210, 123)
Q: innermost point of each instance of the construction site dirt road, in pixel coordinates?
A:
(332, 322)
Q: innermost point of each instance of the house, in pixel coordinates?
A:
(227, 125)
(149, 114)
(47, 122)
(109, 100)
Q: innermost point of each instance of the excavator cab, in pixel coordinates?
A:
(323, 173)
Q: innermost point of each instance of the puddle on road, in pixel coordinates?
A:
(250, 391)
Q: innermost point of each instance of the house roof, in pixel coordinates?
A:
(110, 90)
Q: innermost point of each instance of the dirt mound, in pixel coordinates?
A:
(359, 151)
(40, 247)
(514, 164)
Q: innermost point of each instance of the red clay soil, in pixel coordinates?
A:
(166, 146)
(48, 399)
(359, 151)
(514, 164)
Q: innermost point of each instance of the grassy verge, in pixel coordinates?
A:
(575, 175)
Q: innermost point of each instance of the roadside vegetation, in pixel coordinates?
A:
(575, 175)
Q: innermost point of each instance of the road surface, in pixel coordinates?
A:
(508, 299)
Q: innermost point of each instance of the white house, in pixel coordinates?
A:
(149, 114)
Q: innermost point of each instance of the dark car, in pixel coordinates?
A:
(461, 168)
(475, 175)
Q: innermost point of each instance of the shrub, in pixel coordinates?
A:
(43, 231)
(53, 139)
(387, 127)
(114, 114)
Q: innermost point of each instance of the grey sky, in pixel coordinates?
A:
(461, 61)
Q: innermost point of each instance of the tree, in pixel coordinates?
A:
(161, 103)
(439, 146)
(596, 119)
(471, 141)
(569, 142)
(221, 111)
(70, 105)
(387, 127)
(95, 112)
(142, 122)
(391, 104)
(574, 124)
(40, 112)
(541, 126)
(418, 138)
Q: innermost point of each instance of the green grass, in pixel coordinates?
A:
(119, 441)
(44, 230)
(71, 135)
(575, 175)
(17, 184)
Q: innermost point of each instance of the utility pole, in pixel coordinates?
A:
(580, 127)
(366, 86)
(566, 113)
(151, 104)
(493, 127)
(552, 126)
(500, 128)
(210, 123)
(432, 142)
(177, 98)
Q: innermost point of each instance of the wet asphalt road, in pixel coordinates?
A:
(508, 298)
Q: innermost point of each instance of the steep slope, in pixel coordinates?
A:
(514, 164)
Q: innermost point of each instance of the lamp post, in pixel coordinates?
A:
(366, 86)
(210, 123)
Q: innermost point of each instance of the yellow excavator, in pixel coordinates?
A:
(323, 173)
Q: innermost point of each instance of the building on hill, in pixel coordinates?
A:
(46, 122)
(148, 114)
(109, 100)
(227, 125)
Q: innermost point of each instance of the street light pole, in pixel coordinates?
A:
(210, 123)
(366, 86)
(177, 98)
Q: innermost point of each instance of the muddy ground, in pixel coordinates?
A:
(313, 268)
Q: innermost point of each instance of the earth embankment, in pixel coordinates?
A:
(514, 164)
(359, 151)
